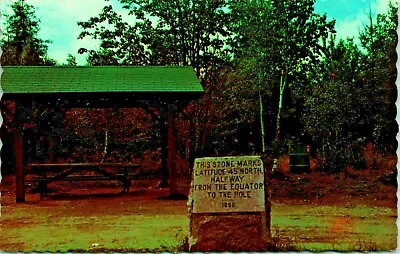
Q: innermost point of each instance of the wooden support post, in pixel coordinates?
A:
(19, 165)
(20, 116)
(127, 181)
(171, 155)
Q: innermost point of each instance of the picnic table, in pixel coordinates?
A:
(68, 171)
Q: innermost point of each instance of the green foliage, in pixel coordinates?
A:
(333, 107)
(119, 41)
(20, 42)
(283, 34)
(277, 46)
(379, 39)
(261, 63)
(71, 60)
(165, 33)
(353, 102)
(187, 32)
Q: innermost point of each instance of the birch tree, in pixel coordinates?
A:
(279, 43)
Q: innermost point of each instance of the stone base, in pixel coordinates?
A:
(237, 232)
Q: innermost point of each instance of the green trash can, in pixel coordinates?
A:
(299, 159)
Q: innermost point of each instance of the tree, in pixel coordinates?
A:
(332, 108)
(20, 42)
(278, 46)
(119, 41)
(354, 101)
(71, 60)
(185, 33)
(379, 39)
(20, 45)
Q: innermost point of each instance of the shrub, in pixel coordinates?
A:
(335, 156)
(377, 160)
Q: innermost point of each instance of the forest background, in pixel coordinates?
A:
(273, 72)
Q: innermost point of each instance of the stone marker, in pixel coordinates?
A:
(229, 205)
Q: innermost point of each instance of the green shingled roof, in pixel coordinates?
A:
(40, 80)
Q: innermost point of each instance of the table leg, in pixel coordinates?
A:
(126, 182)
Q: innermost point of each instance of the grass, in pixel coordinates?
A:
(111, 232)
(325, 228)
(294, 227)
(309, 213)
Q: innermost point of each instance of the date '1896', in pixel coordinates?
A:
(228, 204)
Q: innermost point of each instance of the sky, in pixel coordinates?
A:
(59, 20)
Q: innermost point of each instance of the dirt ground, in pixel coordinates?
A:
(309, 212)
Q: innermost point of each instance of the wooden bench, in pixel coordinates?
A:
(43, 179)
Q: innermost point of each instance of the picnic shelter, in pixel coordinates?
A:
(168, 88)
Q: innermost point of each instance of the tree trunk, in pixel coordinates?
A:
(194, 138)
(262, 123)
(105, 149)
(191, 144)
(282, 86)
(106, 141)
